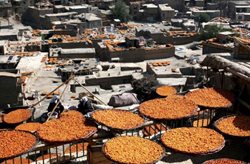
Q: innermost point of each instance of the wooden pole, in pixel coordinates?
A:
(58, 101)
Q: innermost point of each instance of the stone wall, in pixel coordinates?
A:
(141, 54)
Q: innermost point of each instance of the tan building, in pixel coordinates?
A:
(166, 12)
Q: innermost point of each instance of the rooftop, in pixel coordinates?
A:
(88, 17)
(151, 5)
(77, 50)
(61, 14)
(165, 7)
(83, 6)
(245, 6)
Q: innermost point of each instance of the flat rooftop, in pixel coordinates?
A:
(151, 5)
(61, 14)
(88, 17)
(83, 6)
(78, 51)
(164, 7)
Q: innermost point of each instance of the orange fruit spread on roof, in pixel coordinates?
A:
(17, 116)
(166, 90)
(168, 108)
(132, 149)
(119, 119)
(193, 140)
(69, 127)
(224, 161)
(15, 142)
(30, 127)
(235, 125)
(210, 97)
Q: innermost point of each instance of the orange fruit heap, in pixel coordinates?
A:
(118, 119)
(168, 108)
(132, 149)
(235, 126)
(193, 140)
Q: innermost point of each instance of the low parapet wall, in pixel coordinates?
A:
(211, 47)
(141, 54)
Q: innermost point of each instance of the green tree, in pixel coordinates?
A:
(204, 17)
(121, 11)
(211, 31)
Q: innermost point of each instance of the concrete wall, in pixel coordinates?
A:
(211, 48)
(80, 10)
(102, 54)
(158, 37)
(94, 24)
(106, 82)
(79, 55)
(64, 32)
(141, 54)
(161, 38)
(46, 47)
(71, 45)
(9, 90)
(181, 40)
